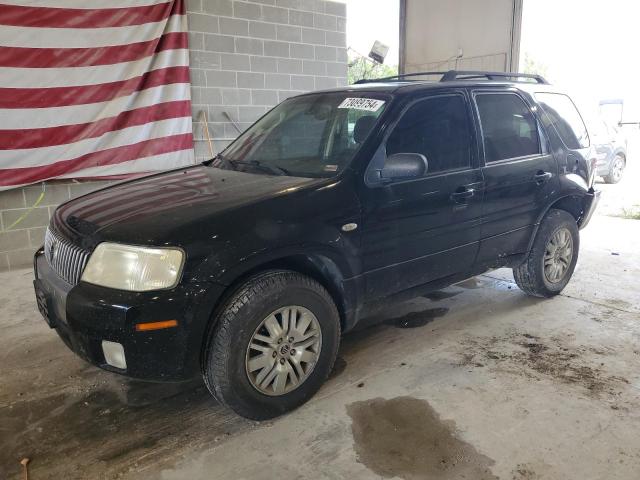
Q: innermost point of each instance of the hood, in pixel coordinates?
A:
(149, 209)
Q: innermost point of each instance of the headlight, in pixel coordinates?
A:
(137, 269)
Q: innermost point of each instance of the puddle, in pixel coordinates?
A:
(405, 437)
(417, 319)
(441, 295)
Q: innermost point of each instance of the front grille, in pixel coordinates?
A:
(66, 259)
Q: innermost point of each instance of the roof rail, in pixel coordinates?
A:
(471, 74)
(397, 77)
(452, 75)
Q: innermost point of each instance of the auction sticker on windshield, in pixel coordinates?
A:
(368, 104)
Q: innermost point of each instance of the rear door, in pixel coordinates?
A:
(562, 117)
(520, 174)
(419, 230)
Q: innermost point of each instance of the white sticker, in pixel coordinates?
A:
(359, 103)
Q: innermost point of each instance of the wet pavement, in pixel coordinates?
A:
(405, 437)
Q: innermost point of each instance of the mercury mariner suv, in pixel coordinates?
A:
(247, 269)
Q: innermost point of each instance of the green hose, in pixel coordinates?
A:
(26, 214)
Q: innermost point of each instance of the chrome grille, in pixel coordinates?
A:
(66, 259)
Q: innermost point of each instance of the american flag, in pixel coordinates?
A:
(88, 89)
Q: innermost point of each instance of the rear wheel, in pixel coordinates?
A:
(274, 345)
(552, 260)
(617, 169)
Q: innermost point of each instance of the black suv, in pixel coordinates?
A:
(248, 268)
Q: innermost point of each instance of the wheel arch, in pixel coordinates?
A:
(316, 265)
(622, 152)
(573, 204)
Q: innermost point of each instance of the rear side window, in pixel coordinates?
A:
(438, 128)
(566, 119)
(509, 129)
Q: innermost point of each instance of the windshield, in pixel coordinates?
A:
(309, 136)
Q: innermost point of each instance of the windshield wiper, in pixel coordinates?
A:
(263, 166)
(221, 157)
(283, 171)
(253, 163)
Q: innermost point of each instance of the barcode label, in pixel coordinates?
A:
(368, 104)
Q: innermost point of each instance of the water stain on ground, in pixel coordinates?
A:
(531, 356)
(618, 303)
(113, 428)
(598, 315)
(477, 282)
(471, 283)
(405, 437)
(439, 295)
(417, 319)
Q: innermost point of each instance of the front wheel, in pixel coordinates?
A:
(274, 345)
(617, 169)
(552, 260)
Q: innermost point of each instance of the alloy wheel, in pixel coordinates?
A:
(558, 255)
(283, 350)
(617, 168)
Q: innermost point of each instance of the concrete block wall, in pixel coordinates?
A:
(247, 56)
(23, 220)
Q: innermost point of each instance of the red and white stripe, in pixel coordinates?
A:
(88, 91)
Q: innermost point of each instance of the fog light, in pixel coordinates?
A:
(114, 354)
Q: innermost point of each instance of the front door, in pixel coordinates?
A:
(420, 230)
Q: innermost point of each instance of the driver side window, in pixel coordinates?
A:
(438, 128)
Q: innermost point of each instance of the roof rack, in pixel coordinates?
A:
(453, 75)
(471, 74)
(398, 78)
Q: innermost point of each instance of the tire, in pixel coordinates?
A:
(531, 276)
(617, 169)
(228, 358)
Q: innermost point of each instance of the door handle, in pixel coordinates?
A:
(541, 177)
(462, 193)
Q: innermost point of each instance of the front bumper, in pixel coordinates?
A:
(84, 315)
(591, 200)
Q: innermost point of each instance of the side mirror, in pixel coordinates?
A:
(402, 166)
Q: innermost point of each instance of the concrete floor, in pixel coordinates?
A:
(481, 383)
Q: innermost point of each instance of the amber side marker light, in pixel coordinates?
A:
(145, 327)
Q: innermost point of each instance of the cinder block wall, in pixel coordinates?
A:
(246, 56)
(18, 241)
